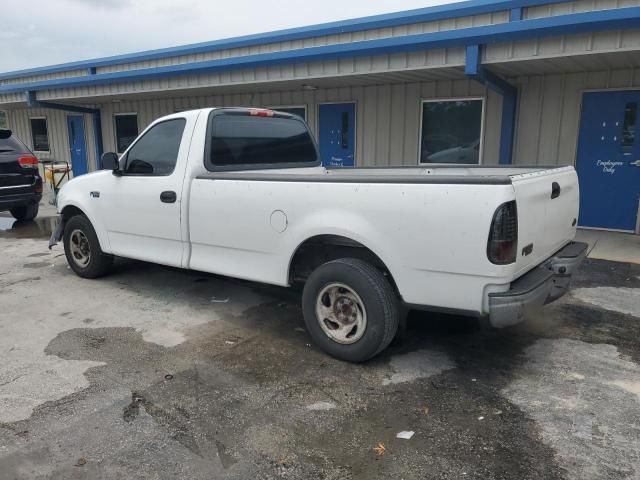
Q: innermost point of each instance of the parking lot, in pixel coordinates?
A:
(155, 372)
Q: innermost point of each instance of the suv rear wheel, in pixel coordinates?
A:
(25, 213)
(350, 309)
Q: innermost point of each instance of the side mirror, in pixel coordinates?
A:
(109, 161)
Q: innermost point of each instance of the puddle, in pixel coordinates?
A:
(40, 227)
(6, 223)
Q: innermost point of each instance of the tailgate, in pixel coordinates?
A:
(548, 203)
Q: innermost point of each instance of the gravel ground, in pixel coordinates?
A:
(157, 373)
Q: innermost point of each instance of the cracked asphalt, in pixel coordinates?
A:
(158, 373)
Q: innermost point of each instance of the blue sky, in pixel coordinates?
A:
(36, 33)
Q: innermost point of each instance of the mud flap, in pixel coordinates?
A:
(56, 236)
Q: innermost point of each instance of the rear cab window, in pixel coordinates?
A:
(258, 139)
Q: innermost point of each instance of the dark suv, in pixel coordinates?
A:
(20, 181)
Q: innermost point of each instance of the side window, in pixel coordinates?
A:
(40, 134)
(629, 127)
(156, 153)
(126, 131)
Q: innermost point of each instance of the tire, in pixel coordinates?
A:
(25, 213)
(81, 246)
(344, 283)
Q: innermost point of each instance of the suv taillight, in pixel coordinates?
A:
(28, 162)
(502, 248)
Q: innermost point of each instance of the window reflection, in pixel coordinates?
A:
(451, 131)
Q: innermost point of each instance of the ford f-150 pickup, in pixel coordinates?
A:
(241, 192)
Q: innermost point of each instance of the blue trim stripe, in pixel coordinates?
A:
(559, 25)
(429, 14)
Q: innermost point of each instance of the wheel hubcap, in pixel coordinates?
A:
(79, 247)
(341, 314)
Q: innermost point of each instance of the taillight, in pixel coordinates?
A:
(259, 112)
(502, 248)
(28, 162)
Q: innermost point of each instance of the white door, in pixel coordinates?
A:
(141, 207)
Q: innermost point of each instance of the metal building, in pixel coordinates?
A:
(483, 81)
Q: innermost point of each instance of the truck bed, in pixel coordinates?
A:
(429, 225)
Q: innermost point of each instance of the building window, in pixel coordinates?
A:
(629, 127)
(300, 111)
(451, 131)
(39, 134)
(4, 119)
(126, 130)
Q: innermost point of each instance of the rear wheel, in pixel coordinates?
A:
(350, 309)
(25, 213)
(82, 248)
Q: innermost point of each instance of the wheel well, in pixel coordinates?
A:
(71, 211)
(321, 249)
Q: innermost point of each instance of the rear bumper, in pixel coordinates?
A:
(7, 202)
(544, 284)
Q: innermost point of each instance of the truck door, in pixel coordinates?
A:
(141, 207)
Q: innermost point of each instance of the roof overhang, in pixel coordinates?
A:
(429, 14)
(622, 18)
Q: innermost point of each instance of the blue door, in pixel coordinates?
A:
(337, 136)
(77, 146)
(608, 161)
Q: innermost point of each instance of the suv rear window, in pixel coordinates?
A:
(10, 144)
(240, 140)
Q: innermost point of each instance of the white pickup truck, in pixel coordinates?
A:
(240, 192)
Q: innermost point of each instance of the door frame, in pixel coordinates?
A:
(84, 139)
(583, 91)
(355, 125)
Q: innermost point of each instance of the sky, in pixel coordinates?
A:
(39, 32)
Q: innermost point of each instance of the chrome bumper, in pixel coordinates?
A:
(544, 284)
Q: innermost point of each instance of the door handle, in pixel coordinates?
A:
(168, 197)
(555, 190)
(636, 163)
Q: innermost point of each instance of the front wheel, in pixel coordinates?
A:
(350, 309)
(82, 248)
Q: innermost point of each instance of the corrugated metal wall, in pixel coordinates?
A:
(422, 60)
(561, 46)
(387, 119)
(424, 27)
(58, 133)
(563, 8)
(519, 50)
(388, 116)
(549, 113)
